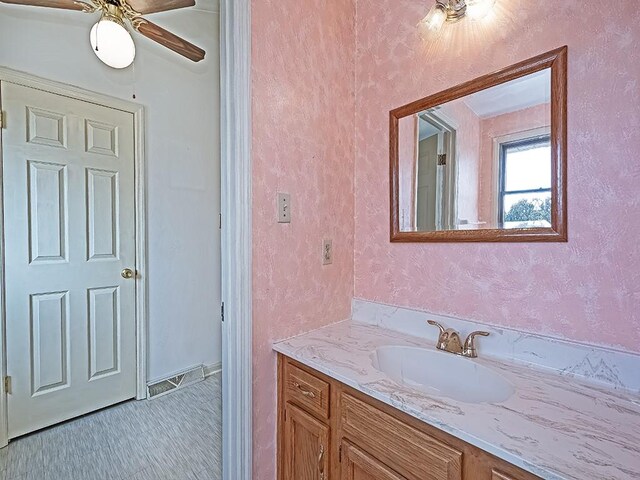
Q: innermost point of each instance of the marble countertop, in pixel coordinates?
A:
(552, 426)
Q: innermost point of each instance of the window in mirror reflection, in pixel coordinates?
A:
(482, 161)
(525, 186)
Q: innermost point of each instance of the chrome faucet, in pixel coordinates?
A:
(449, 341)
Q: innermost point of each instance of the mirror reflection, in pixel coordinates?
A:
(479, 162)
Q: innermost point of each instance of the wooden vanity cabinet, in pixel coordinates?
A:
(329, 431)
(304, 425)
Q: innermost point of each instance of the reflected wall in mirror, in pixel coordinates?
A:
(484, 161)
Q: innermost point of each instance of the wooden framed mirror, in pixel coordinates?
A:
(485, 161)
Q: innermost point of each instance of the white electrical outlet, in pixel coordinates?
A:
(327, 252)
(284, 208)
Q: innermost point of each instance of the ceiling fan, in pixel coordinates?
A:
(109, 37)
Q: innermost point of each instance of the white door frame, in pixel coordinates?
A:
(237, 347)
(236, 172)
(31, 81)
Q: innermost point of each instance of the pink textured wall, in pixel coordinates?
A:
(467, 125)
(587, 289)
(303, 143)
(492, 128)
(407, 166)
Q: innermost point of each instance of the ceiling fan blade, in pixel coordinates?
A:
(66, 4)
(169, 40)
(153, 6)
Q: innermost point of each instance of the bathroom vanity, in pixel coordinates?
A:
(329, 430)
(345, 412)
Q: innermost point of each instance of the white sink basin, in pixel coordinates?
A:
(442, 373)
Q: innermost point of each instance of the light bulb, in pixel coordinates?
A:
(435, 18)
(112, 43)
(477, 9)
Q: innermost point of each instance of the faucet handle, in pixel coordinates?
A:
(436, 324)
(470, 345)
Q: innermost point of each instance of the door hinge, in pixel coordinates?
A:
(220, 221)
(3, 120)
(7, 385)
(222, 311)
(442, 159)
(340, 454)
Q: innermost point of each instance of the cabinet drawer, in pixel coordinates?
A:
(306, 390)
(410, 452)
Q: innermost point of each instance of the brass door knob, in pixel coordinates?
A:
(127, 273)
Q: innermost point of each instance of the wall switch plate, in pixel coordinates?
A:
(327, 252)
(284, 208)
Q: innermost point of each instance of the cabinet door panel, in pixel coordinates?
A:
(359, 465)
(306, 446)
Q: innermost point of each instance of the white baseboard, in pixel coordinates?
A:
(176, 381)
(181, 379)
(212, 369)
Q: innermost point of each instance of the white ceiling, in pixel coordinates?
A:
(426, 129)
(207, 5)
(524, 92)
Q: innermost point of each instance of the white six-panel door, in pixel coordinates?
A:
(68, 181)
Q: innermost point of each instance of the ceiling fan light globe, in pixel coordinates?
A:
(112, 43)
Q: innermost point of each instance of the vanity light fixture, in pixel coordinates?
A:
(454, 10)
